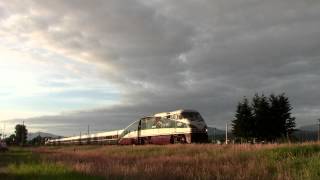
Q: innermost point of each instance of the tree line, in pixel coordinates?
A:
(20, 137)
(264, 118)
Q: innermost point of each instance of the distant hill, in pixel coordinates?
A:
(312, 127)
(307, 133)
(215, 134)
(303, 133)
(212, 131)
(42, 134)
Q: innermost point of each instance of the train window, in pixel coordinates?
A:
(133, 127)
(144, 123)
(171, 123)
(168, 123)
(149, 123)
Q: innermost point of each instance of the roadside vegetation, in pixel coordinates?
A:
(195, 161)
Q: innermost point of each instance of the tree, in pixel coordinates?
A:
(290, 126)
(21, 134)
(10, 140)
(277, 116)
(261, 115)
(266, 119)
(37, 141)
(243, 122)
(281, 110)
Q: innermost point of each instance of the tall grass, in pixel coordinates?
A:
(22, 164)
(288, 161)
(191, 161)
(299, 162)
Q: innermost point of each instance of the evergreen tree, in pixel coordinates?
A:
(261, 115)
(266, 119)
(290, 126)
(243, 122)
(276, 110)
(290, 123)
(281, 113)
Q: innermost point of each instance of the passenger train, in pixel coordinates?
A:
(181, 126)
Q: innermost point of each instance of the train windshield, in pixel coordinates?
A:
(158, 122)
(132, 127)
(193, 116)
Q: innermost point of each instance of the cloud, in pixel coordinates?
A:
(166, 55)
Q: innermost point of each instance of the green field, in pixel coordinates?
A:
(288, 161)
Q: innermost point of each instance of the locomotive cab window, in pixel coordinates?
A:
(193, 116)
(131, 128)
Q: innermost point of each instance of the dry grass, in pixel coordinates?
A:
(21, 164)
(190, 161)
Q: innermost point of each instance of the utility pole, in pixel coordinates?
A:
(139, 133)
(4, 130)
(88, 137)
(319, 131)
(22, 134)
(226, 133)
(80, 139)
(214, 135)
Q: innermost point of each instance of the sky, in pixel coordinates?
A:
(65, 65)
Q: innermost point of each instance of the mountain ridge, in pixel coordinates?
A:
(32, 135)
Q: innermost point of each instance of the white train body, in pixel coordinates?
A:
(181, 126)
(110, 137)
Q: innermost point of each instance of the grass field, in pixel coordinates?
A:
(163, 162)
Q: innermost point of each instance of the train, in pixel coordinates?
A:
(180, 126)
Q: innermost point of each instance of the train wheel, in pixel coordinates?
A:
(183, 139)
(177, 139)
(172, 139)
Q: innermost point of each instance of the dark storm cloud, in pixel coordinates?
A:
(206, 55)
